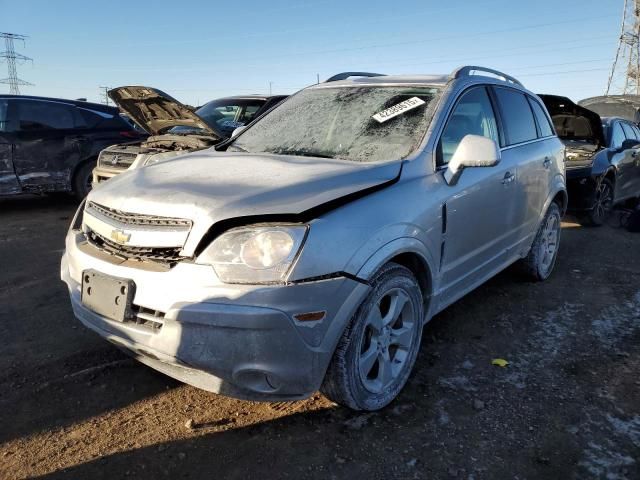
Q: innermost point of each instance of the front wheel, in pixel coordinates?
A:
(602, 204)
(539, 262)
(378, 349)
(82, 180)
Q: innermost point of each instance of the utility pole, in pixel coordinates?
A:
(317, 78)
(625, 71)
(105, 94)
(270, 85)
(11, 56)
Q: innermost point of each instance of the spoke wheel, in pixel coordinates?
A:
(378, 348)
(603, 203)
(387, 340)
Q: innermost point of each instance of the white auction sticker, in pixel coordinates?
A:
(398, 109)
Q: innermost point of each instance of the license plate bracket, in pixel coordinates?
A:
(111, 297)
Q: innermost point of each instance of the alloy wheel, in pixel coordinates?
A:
(387, 340)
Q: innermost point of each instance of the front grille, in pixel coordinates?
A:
(119, 160)
(137, 219)
(162, 255)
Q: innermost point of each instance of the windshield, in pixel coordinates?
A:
(339, 123)
(225, 115)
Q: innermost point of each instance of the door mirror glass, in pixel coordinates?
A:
(473, 151)
(629, 143)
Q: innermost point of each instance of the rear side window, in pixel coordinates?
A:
(542, 118)
(636, 131)
(35, 115)
(472, 115)
(517, 118)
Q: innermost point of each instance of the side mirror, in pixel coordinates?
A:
(237, 131)
(628, 144)
(473, 151)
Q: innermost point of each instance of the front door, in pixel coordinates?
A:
(45, 151)
(479, 208)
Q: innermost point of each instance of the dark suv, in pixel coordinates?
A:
(51, 144)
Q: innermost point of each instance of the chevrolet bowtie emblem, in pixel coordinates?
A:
(120, 236)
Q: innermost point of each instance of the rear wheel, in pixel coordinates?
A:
(82, 180)
(602, 204)
(378, 349)
(539, 262)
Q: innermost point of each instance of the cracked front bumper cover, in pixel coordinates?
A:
(249, 347)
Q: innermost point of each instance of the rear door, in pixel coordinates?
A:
(8, 180)
(46, 148)
(532, 155)
(479, 209)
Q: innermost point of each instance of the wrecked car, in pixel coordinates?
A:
(175, 128)
(51, 145)
(311, 251)
(602, 158)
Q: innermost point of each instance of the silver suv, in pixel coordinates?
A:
(310, 253)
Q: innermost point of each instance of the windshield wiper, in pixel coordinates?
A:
(303, 153)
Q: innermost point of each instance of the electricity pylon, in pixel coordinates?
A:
(625, 72)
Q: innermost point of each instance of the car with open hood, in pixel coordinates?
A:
(602, 158)
(309, 252)
(175, 128)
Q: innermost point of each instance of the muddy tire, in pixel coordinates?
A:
(378, 349)
(82, 180)
(602, 204)
(539, 262)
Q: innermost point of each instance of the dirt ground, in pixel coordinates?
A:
(566, 406)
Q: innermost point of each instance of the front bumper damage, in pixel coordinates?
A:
(238, 340)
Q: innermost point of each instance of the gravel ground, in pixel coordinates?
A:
(566, 406)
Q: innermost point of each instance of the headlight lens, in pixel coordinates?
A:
(257, 254)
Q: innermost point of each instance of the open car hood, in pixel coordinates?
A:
(157, 112)
(573, 122)
(625, 106)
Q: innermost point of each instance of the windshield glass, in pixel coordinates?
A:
(339, 123)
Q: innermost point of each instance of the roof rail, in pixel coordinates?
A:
(345, 75)
(467, 69)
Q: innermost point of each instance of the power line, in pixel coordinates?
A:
(11, 56)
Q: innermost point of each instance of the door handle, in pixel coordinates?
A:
(547, 162)
(508, 178)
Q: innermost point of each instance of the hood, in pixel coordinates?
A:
(624, 106)
(157, 112)
(207, 188)
(573, 122)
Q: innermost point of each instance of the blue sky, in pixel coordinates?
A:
(200, 50)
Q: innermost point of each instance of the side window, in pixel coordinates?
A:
(4, 121)
(628, 131)
(617, 135)
(249, 113)
(35, 115)
(517, 118)
(636, 130)
(542, 118)
(472, 115)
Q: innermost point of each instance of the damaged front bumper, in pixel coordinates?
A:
(238, 340)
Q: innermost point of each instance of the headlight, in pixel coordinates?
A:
(257, 254)
(76, 223)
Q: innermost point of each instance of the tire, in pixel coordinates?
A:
(82, 180)
(602, 204)
(539, 262)
(378, 349)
